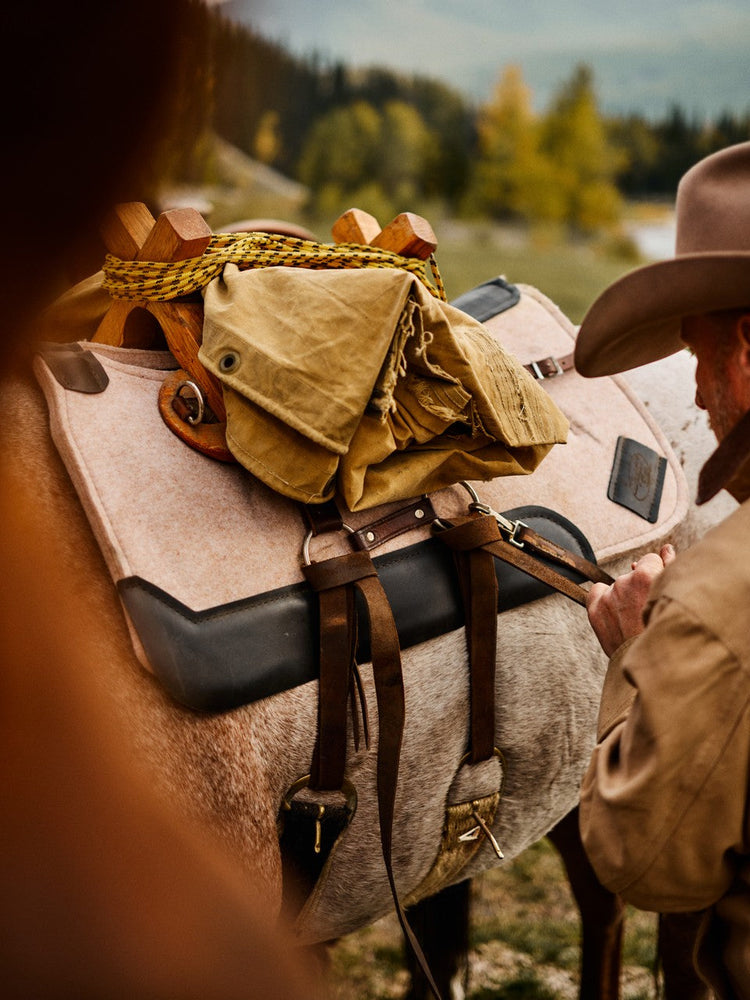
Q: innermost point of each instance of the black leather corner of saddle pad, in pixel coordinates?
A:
(488, 299)
(74, 368)
(237, 653)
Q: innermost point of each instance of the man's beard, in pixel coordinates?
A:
(725, 412)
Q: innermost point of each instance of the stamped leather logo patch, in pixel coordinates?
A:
(637, 478)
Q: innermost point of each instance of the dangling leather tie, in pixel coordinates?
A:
(335, 580)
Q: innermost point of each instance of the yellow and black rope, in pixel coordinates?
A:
(126, 279)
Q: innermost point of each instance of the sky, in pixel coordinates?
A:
(646, 55)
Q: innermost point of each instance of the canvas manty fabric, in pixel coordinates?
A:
(363, 383)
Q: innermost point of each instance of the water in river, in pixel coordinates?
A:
(655, 240)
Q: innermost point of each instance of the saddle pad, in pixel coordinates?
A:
(180, 531)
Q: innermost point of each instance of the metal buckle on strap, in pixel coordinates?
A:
(350, 799)
(557, 368)
(510, 528)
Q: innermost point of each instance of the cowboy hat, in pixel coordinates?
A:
(637, 319)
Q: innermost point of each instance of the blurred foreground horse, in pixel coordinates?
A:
(239, 766)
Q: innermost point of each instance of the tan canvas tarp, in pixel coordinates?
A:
(363, 381)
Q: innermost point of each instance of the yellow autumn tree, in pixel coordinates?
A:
(574, 138)
(511, 178)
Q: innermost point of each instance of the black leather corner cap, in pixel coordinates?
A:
(488, 299)
(75, 368)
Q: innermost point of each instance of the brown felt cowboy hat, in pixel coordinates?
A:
(637, 319)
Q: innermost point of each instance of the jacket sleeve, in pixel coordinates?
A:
(663, 800)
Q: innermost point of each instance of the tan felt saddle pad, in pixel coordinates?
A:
(208, 535)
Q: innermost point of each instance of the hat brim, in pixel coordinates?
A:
(637, 319)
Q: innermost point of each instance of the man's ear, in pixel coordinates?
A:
(742, 331)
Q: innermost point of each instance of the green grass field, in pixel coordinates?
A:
(525, 942)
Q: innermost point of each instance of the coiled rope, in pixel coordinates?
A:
(157, 281)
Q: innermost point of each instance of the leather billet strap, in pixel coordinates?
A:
(525, 537)
(476, 571)
(334, 581)
(322, 517)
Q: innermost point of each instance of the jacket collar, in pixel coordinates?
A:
(729, 466)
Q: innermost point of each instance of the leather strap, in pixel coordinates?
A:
(334, 580)
(389, 692)
(519, 558)
(322, 517)
(476, 572)
(370, 536)
(530, 539)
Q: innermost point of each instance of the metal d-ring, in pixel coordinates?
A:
(309, 537)
(196, 418)
(347, 790)
(472, 834)
(496, 754)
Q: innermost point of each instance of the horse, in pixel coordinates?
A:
(228, 772)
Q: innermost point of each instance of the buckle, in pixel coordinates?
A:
(538, 373)
(510, 528)
(350, 801)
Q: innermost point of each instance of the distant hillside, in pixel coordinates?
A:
(240, 186)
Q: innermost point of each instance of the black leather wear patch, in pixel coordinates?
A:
(74, 368)
(637, 478)
(240, 652)
(488, 299)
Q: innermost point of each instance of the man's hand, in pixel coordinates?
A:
(616, 611)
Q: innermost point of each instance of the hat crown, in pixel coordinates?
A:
(713, 204)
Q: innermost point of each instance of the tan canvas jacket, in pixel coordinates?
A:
(664, 806)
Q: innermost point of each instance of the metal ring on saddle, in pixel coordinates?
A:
(496, 754)
(347, 790)
(309, 537)
(350, 800)
(193, 418)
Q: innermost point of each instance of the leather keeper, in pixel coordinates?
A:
(470, 534)
(322, 517)
(370, 536)
(550, 367)
(339, 570)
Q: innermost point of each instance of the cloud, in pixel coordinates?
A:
(643, 53)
